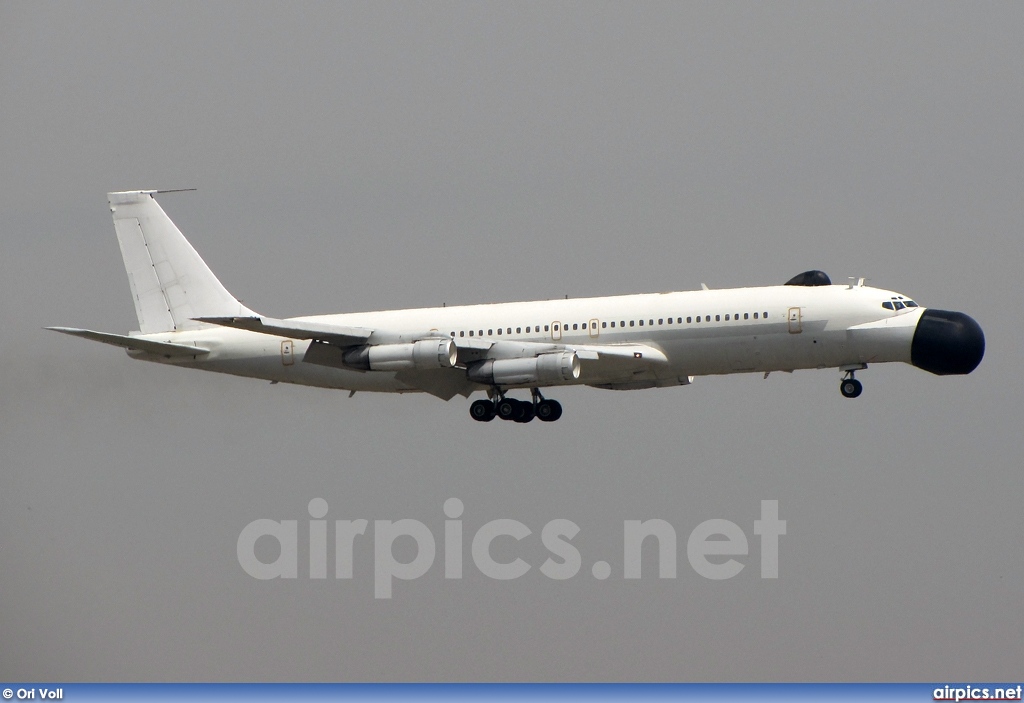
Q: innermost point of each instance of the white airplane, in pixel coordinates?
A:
(187, 318)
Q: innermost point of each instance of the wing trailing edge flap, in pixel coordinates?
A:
(441, 383)
(339, 335)
(150, 346)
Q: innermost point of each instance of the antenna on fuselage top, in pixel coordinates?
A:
(859, 282)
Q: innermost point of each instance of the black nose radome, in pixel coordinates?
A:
(947, 343)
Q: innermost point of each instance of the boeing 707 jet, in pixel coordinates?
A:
(628, 342)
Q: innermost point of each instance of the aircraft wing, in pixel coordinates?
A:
(166, 349)
(636, 355)
(620, 354)
(339, 335)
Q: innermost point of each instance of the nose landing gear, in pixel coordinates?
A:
(850, 387)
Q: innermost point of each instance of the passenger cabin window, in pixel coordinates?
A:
(519, 330)
(755, 315)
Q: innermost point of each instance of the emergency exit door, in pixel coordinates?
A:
(794, 321)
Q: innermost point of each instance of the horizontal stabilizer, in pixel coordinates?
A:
(167, 349)
(294, 329)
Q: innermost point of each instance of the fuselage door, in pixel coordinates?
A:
(287, 352)
(556, 331)
(794, 321)
(594, 328)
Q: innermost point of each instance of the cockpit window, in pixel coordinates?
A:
(899, 304)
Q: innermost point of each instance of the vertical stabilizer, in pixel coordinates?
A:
(170, 282)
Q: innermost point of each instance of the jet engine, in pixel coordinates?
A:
(540, 370)
(424, 354)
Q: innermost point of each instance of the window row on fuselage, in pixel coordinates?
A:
(591, 326)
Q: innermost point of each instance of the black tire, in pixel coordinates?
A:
(549, 410)
(482, 411)
(851, 388)
(519, 411)
(507, 409)
(558, 410)
(545, 411)
(528, 412)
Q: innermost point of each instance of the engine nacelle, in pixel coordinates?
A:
(424, 354)
(540, 370)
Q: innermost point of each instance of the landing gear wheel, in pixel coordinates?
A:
(482, 411)
(528, 412)
(851, 388)
(549, 410)
(508, 409)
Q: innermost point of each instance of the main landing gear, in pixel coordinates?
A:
(850, 387)
(498, 405)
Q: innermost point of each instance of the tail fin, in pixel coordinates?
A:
(170, 282)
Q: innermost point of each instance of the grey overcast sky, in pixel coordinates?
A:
(354, 156)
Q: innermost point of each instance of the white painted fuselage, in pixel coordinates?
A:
(795, 327)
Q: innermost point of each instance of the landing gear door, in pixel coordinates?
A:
(794, 321)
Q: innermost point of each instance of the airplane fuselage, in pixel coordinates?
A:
(701, 333)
